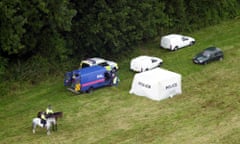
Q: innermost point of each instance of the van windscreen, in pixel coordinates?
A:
(85, 65)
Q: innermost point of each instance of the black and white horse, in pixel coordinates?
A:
(50, 122)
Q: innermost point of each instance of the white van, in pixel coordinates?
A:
(176, 41)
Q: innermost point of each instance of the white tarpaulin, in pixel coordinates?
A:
(156, 84)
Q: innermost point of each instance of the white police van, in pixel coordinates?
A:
(109, 65)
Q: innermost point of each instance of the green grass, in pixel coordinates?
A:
(206, 112)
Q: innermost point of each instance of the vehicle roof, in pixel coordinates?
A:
(212, 49)
(88, 70)
(94, 60)
(173, 35)
(144, 57)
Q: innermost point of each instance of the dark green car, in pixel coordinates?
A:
(208, 55)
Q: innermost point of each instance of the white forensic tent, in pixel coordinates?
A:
(156, 84)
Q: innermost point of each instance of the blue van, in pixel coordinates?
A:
(89, 78)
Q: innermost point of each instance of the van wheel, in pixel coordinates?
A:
(90, 90)
(159, 64)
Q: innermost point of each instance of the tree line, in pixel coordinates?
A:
(41, 36)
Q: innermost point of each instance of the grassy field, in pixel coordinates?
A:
(208, 111)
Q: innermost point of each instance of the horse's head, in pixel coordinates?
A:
(39, 114)
(56, 115)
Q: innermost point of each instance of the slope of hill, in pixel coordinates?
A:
(206, 112)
